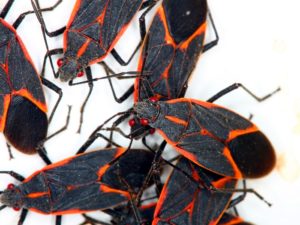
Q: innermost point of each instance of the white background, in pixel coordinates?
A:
(259, 47)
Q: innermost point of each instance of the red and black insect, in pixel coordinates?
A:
(229, 219)
(23, 118)
(185, 199)
(211, 136)
(91, 34)
(96, 180)
(170, 51)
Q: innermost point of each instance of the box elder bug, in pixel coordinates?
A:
(91, 34)
(211, 136)
(23, 117)
(90, 181)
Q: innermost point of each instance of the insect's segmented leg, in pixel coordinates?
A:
(9, 151)
(14, 175)
(213, 43)
(57, 90)
(154, 172)
(58, 220)
(96, 134)
(38, 10)
(91, 221)
(43, 154)
(89, 76)
(6, 8)
(23, 15)
(239, 85)
(149, 5)
(245, 190)
(50, 54)
(238, 199)
(63, 128)
(126, 95)
(23, 216)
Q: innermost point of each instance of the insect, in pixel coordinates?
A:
(91, 34)
(90, 181)
(211, 136)
(23, 118)
(184, 201)
(171, 48)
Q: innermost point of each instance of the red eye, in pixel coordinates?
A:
(60, 62)
(16, 208)
(10, 186)
(131, 122)
(80, 74)
(144, 122)
(153, 99)
(152, 131)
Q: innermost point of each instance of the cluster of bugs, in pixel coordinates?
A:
(216, 147)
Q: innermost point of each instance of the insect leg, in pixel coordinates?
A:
(58, 220)
(91, 86)
(125, 96)
(6, 8)
(240, 198)
(23, 216)
(49, 54)
(14, 175)
(61, 129)
(38, 10)
(57, 90)
(23, 15)
(214, 42)
(232, 190)
(142, 23)
(9, 151)
(239, 85)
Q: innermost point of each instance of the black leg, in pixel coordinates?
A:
(244, 190)
(58, 220)
(213, 43)
(116, 123)
(23, 216)
(236, 211)
(23, 15)
(43, 154)
(91, 221)
(91, 86)
(6, 8)
(144, 141)
(91, 140)
(57, 90)
(38, 10)
(49, 54)
(14, 175)
(238, 85)
(96, 133)
(154, 171)
(9, 151)
(125, 96)
(240, 198)
(61, 129)
(149, 5)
